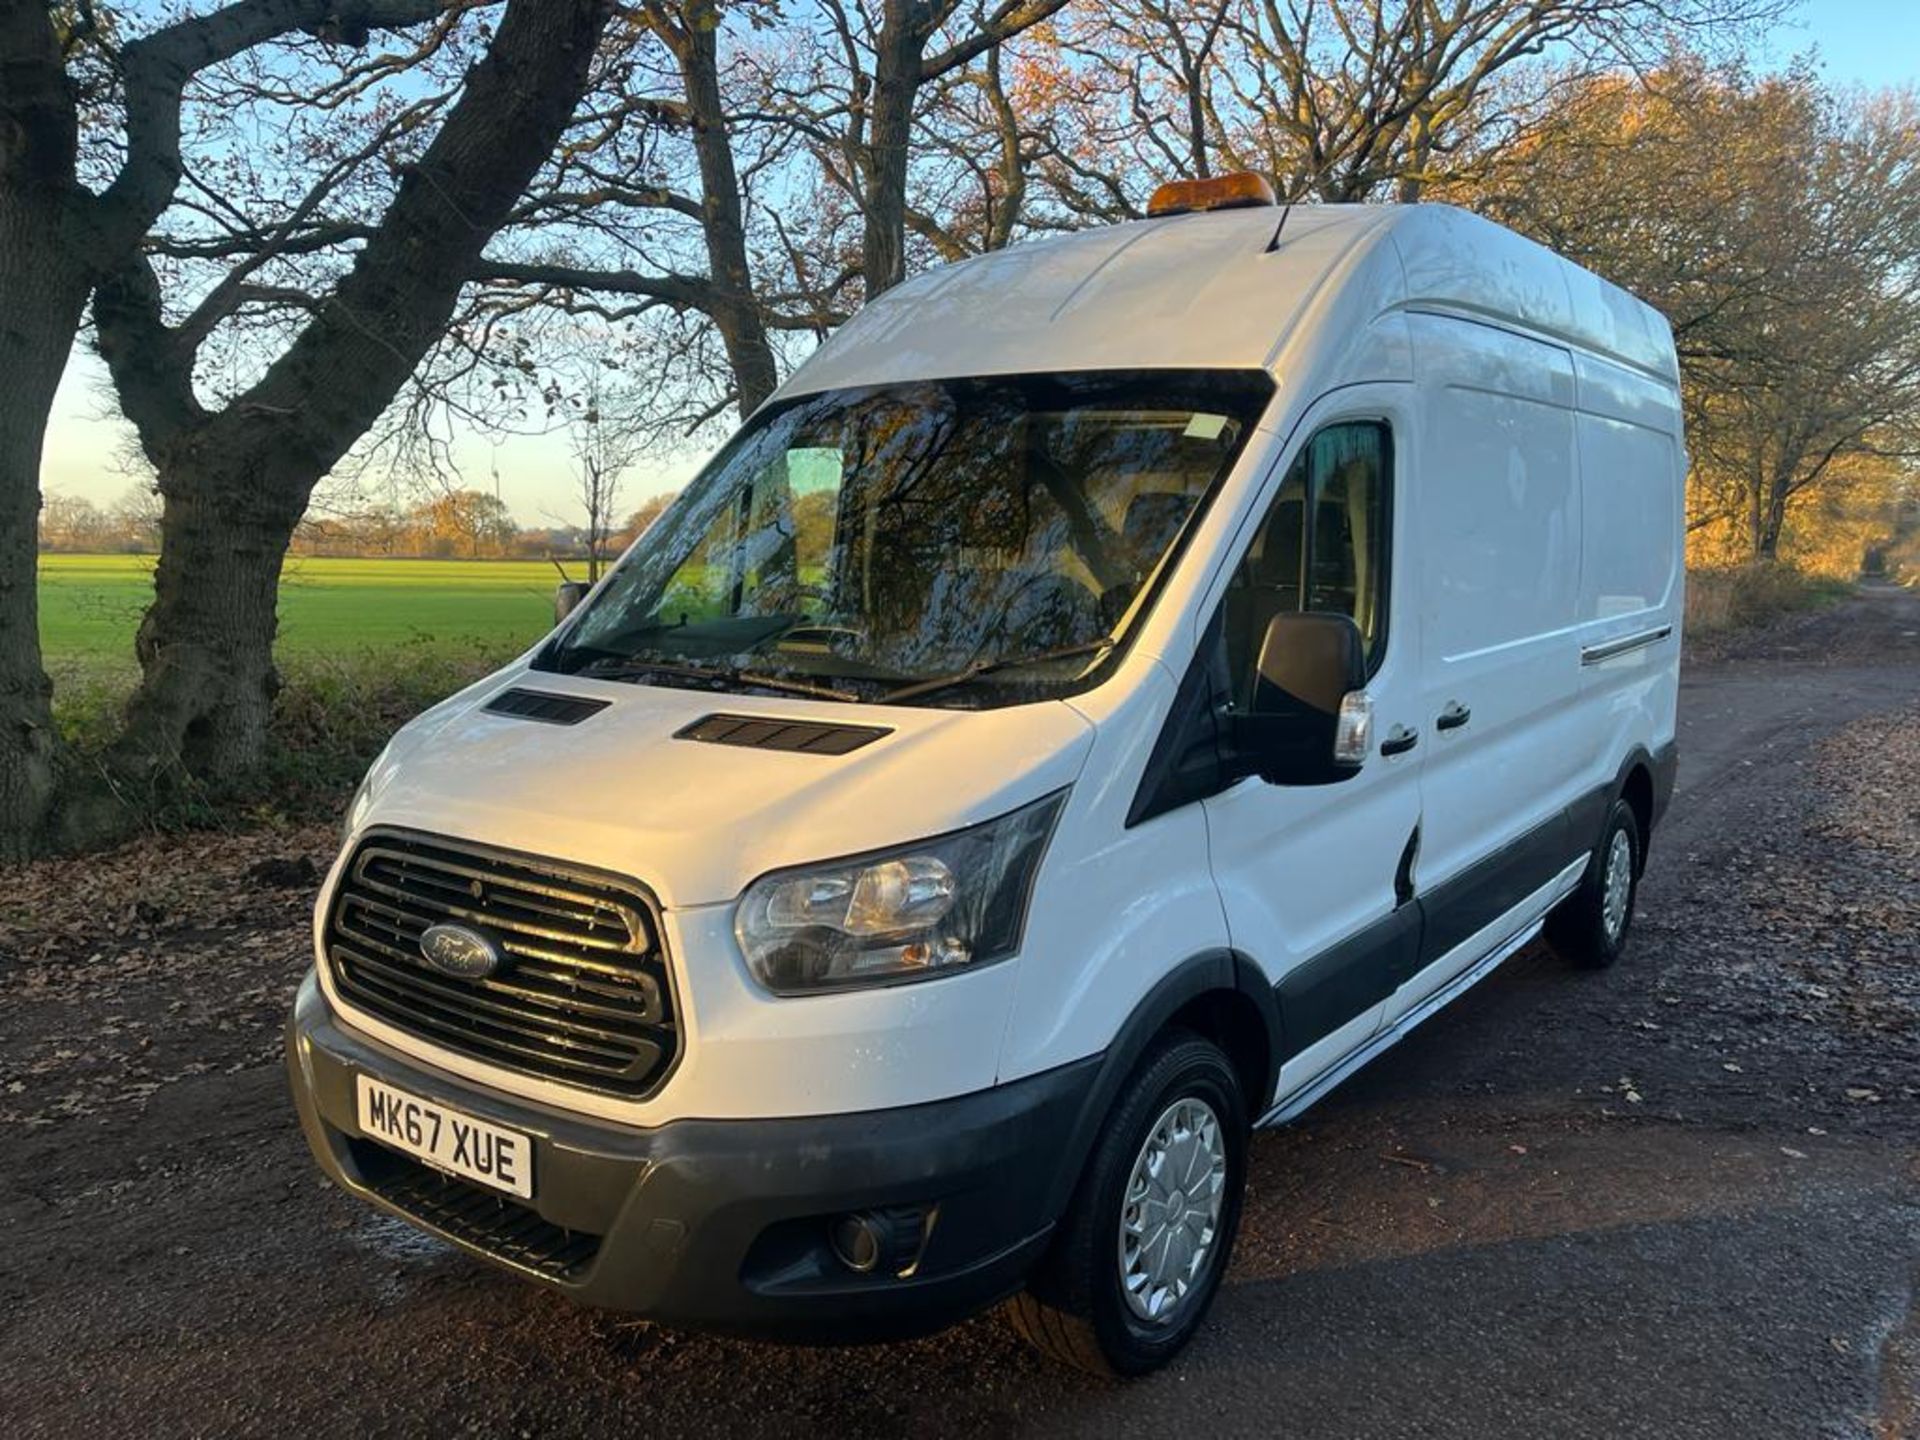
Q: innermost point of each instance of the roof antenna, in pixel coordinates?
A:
(1286, 209)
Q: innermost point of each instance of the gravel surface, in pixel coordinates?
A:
(1680, 1198)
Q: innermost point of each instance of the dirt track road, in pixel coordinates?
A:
(1681, 1198)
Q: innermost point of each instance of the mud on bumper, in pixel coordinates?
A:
(720, 1224)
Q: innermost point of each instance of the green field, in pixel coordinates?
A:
(90, 606)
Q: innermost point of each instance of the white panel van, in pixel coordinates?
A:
(1116, 688)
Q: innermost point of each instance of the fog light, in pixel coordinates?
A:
(886, 1241)
(856, 1240)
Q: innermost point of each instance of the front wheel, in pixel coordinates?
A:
(1590, 926)
(1142, 1247)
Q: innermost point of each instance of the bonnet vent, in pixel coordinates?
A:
(542, 705)
(758, 732)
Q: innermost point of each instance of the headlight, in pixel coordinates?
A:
(956, 902)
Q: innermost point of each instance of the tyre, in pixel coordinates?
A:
(1140, 1252)
(1590, 926)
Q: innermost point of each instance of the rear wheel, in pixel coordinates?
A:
(1142, 1247)
(1590, 926)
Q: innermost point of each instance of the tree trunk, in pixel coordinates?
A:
(1773, 517)
(896, 80)
(210, 629)
(1412, 182)
(42, 292)
(736, 314)
(237, 481)
(1193, 81)
(43, 289)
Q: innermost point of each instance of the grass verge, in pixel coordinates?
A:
(1737, 597)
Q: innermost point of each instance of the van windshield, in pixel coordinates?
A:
(950, 542)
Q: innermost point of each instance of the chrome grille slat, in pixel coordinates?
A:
(496, 1005)
(520, 948)
(567, 992)
(584, 998)
(559, 1062)
(492, 916)
(585, 905)
(447, 1011)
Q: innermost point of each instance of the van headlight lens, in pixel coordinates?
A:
(955, 902)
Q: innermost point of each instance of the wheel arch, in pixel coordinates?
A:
(1220, 994)
(1638, 782)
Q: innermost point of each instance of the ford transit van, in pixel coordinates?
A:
(1116, 688)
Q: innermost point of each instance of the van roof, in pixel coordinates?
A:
(1206, 291)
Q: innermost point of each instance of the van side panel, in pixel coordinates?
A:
(1629, 553)
(1499, 590)
(1116, 908)
(1633, 478)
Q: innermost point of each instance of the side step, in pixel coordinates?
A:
(1335, 1075)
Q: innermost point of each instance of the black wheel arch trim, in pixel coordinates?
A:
(1660, 765)
(1210, 972)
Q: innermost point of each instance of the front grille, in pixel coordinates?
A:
(475, 1214)
(583, 998)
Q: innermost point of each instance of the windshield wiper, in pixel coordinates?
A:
(989, 667)
(631, 666)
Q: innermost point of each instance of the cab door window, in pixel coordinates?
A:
(1323, 546)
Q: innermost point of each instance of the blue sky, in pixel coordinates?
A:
(1860, 42)
(1869, 42)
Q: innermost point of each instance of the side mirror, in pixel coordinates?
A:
(567, 598)
(1311, 720)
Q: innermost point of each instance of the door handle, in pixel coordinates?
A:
(1453, 717)
(1399, 740)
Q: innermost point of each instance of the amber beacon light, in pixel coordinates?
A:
(1222, 192)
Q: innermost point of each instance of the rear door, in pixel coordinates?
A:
(1311, 876)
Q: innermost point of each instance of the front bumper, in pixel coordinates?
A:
(720, 1224)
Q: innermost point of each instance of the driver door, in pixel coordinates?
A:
(1315, 879)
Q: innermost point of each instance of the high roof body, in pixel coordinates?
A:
(1211, 291)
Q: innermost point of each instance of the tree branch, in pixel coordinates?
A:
(1007, 20)
(155, 70)
(694, 292)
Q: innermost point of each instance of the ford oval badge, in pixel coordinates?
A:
(460, 951)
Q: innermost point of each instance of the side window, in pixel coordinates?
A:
(1323, 546)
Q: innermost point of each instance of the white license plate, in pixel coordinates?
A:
(446, 1139)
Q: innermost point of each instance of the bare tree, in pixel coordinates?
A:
(235, 474)
(1337, 100)
(73, 210)
(609, 433)
(136, 517)
(236, 479)
(858, 101)
(677, 204)
(73, 523)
